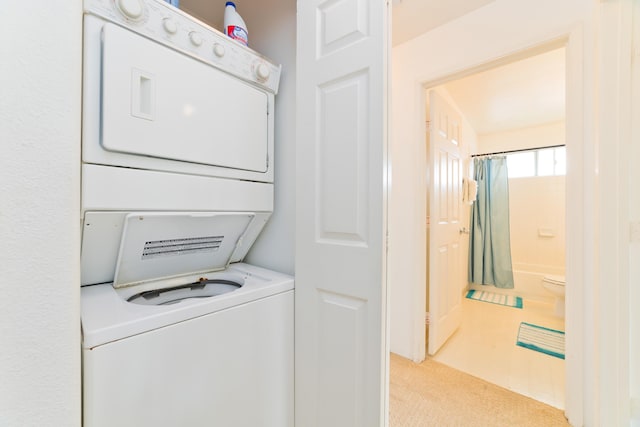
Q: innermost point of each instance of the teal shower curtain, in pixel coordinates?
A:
(489, 246)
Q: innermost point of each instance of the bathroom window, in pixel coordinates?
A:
(540, 162)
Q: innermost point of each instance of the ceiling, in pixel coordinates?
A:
(411, 18)
(525, 93)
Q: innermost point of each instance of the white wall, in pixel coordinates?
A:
(40, 87)
(536, 209)
(545, 135)
(497, 30)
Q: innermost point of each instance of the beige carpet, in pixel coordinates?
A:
(432, 394)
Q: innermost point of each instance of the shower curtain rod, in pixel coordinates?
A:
(516, 151)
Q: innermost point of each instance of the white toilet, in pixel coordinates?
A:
(556, 285)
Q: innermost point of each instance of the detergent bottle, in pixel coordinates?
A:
(234, 26)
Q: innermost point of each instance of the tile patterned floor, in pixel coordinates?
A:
(485, 346)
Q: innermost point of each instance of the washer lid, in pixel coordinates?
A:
(156, 246)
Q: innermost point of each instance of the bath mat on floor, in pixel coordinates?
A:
(539, 338)
(494, 298)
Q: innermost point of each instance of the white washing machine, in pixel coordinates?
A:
(177, 183)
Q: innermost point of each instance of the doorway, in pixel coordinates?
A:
(514, 108)
(418, 319)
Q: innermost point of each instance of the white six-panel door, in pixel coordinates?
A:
(340, 320)
(445, 199)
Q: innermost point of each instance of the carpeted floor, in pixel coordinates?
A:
(432, 394)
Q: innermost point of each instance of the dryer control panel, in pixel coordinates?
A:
(170, 26)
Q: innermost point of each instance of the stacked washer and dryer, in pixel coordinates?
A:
(177, 183)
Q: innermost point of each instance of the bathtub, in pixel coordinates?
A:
(527, 280)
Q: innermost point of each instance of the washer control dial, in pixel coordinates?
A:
(169, 25)
(262, 72)
(132, 9)
(196, 38)
(218, 50)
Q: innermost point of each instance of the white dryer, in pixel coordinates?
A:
(177, 183)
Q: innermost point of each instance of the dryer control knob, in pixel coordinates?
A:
(262, 71)
(170, 25)
(196, 38)
(218, 50)
(131, 9)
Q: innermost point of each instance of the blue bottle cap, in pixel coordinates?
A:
(230, 3)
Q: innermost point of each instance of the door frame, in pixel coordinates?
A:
(611, 338)
(575, 202)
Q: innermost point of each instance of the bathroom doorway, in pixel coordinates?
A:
(517, 106)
